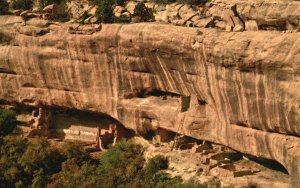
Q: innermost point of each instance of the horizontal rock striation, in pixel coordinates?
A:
(236, 89)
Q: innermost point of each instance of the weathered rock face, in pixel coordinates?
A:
(235, 89)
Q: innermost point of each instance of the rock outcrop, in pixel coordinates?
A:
(236, 89)
(232, 15)
(228, 15)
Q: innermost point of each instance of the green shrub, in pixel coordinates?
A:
(143, 12)
(61, 8)
(8, 122)
(11, 150)
(22, 4)
(32, 163)
(165, 1)
(192, 2)
(40, 155)
(39, 179)
(120, 164)
(163, 180)
(120, 2)
(105, 11)
(62, 15)
(35, 163)
(3, 7)
(74, 175)
(73, 150)
(122, 20)
(156, 164)
(44, 3)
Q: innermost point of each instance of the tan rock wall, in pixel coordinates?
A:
(243, 87)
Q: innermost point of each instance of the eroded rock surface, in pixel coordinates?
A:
(236, 89)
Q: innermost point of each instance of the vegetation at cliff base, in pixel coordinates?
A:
(35, 162)
(121, 166)
(8, 122)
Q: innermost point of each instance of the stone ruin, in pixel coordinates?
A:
(40, 119)
(213, 159)
(100, 134)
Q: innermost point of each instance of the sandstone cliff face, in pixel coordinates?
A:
(236, 89)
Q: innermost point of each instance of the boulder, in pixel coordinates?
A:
(227, 17)
(227, 13)
(195, 18)
(185, 9)
(88, 20)
(75, 10)
(180, 22)
(33, 31)
(37, 22)
(228, 28)
(25, 13)
(189, 24)
(119, 9)
(238, 22)
(84, 30)
(189, 16)
(131, 6)
(118, 15)
(136, 19)
(168, 15)
(125, 15)
(94, 20)
(150, 5)
(238, 28)
(50, 8)
(203, 22)
(220, 24)
(92, 10)
(46, 16)
(17, 12)
(251, 25)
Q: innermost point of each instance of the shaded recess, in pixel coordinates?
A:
(213, 151)
(268, 163)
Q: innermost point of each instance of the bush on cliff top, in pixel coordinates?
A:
(3, 7)
(44, 3)
(105, 11)
(143, 12)
(22, 4)
(192, 2)
(120, 2)
(61, 14)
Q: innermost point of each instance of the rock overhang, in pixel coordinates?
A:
(242, 87)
